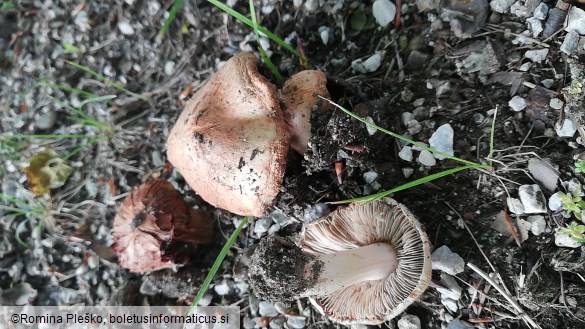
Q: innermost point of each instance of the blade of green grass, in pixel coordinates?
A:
(262, 29)
(70, 89)
(406, 186)
(19, 230)
(49, 136)
(167, 23)
(217, 264)
(422, 146)
(80, 147)
(492, 134)
(106, 80)
(84, 117)
(263, 53)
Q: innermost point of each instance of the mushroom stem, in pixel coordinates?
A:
(344, 268)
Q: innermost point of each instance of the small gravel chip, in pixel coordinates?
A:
(556, 103)
(538, 224)
(296, 321)
(537, 55)
(535, 26)
(222, 289)
(544, 173)
(515, 206)
(370, 176)
(147, 288)
(384, 11)
(500, 6)
(406, 118)
(409, 322)
(125, 28)
(262, 225)
(532, 199)
(371, 130)
(267, 309)
(570, 43)
(407, 172)
(414, 127)
(576, 20)
(169, 67)
(278, 217)
(554, 202)
(206, 300)
(316, 211)
(566, 129)
(517, 103)
(426, 158)
(541, 11)
(442, 141)
(565, 240)
(367, 66)
(324, 33)
(46, 120)
(443, 259)
(406, 153)
(450, 304)
(548, 83)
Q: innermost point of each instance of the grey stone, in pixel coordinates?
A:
(517, 103)
(426, 158)
(443, 259)
(535, 26)
(500, 6)
(371, 130)
(576, 20)
(278, 217)
(570, 43)
(369, 65)
(222, 289)
(556, 103)
(532, 199)
(409, 322)
(46, 120)
(413, 127)
(267, 309)
(384, 12)
(262, 225)
(450, 304)
(407, 172)
(296, 322)
(515, 206)
(565, 240)
(554, 202)
(125, 27)
(540, 11)
(406, 153)
(538, 224)
(406, 118)
(317, 211)
(537, 55)
(544, 173)
(449, 287)
(370, 176)
(566, 129)
(442, 141)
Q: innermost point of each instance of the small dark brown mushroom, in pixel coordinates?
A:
(152, 225)
(362, 264)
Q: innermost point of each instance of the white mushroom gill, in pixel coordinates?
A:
(345, 268)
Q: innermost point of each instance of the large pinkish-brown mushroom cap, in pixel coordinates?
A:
(230, 141)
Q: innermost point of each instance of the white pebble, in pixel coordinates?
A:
(370, 176)
(426, 158)
(406, 153)
(556, 103)
(554, 202)
(384, 11)
(515, 206)
(267, 309)
(537, 55)
(443, 259)
(565, 240)
(371, 130)
(409, 322)
(407, 172)
(566, 129)
(222, 289)
(369, 65)
(532, 199)
(169, 67)
(442, 141)
(538, 224)
(125, 28)
(517, 103)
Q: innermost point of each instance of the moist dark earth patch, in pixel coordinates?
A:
(281, 271)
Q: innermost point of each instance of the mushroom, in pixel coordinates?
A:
(362, 264)
(231, 140)
(152, 226)
(300, 96)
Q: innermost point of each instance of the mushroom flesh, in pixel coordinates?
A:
(362, 264)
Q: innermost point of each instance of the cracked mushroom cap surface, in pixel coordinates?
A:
(360, 224)
(230, 141)
(151, 226)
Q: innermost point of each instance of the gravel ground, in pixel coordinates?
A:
(449, 65)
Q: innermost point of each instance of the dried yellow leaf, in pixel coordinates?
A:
(46, 171)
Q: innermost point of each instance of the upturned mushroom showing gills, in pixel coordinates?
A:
(152, 226)
(231, 140)
(361, 264)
